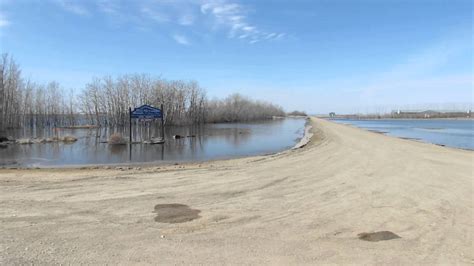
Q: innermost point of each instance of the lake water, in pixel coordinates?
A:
(452, 133)
(207, 142)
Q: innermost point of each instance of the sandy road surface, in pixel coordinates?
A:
(299, 207)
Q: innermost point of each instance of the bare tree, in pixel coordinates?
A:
(105, 101)
(2, 92)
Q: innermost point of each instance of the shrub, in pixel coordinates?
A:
(297, 113)
(117, 139)
(69, 139)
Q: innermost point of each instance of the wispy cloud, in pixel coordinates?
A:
(227, 15)
(73, 6)
(178, 12)
(109, 7)
(3, 21)
(181, 39)
(421, 74)
(154, 14)
(186, 19)
(234, 17)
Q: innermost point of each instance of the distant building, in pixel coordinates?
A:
(332, 114)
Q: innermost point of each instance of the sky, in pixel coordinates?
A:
(318, 56)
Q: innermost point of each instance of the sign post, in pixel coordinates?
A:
(130, 133)
(130, 123)
(147, 112)
(162, 123)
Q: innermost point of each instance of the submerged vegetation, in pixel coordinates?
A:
(105, 101)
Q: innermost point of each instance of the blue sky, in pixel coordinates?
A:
(313, 55)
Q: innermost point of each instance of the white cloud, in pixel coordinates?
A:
(166, 11)
(109, 7)
(73, 7)
(411, 73)
(235, 17)
(154, 14)
(186, 19)
(181, 39)
(3, 21)
(226, 15)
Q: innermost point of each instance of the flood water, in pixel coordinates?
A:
(452, 133)
(206, 142)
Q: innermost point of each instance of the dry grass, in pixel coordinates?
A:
(117, 139)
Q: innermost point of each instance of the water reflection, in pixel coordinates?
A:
(204, 142)
(117, 149)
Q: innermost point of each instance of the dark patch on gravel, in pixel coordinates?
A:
(175, 213)
(378, 236)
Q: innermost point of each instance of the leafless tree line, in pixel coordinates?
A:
(105, 101)
(23, 102)
(237, 108)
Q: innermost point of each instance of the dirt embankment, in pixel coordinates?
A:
(348, 196)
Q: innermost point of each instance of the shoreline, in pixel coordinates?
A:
(393, 118)
(301, 142)
(387, 133)
(311, 205)
(306, 139)
(307, 136)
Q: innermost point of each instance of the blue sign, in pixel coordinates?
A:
(146, 112)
